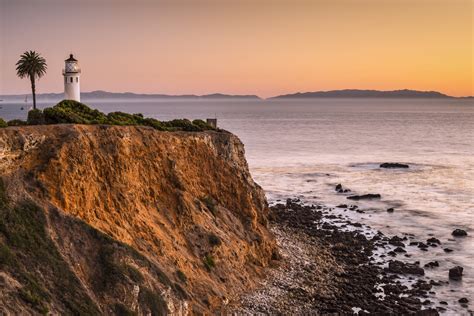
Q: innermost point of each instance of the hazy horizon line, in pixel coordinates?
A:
(237, 95)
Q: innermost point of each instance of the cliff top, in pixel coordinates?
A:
(73, 112)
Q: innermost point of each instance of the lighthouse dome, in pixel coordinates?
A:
(71, 64)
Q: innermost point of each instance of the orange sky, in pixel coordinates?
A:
(243, 47)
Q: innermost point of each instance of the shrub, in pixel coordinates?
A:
(203, 125)
(73, 112)
(214, 240)
(3, 123)
(35, 117)
(16, 123)
(210, 204)
(155, 124)
(181, 276)
(209, 262)
(5, 255)
(121, 118)
(3, 196)
(69, 111)
(36, 297)
(184, 125)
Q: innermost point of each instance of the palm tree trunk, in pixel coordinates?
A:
(33, 89)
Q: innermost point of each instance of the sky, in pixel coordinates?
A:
(262, 47)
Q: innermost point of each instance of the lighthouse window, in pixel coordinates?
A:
(71, 79)
(77, 79)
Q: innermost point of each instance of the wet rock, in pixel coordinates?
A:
(422, 285)
(399, 267)
(443, 303)
(391, 165)
(432, 264)
(342, 206)
(340, 189)
(427, 312)
(369, 196)
(456, 273)
(436, 283)
(390, 210)
(459, 233)
(448, 250)
(396, 241)
(399, 249)
(433, 240)
(463, 300)
(422, 246)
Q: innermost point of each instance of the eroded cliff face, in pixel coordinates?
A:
(108, 219)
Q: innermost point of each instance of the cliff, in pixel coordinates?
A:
(113, 220)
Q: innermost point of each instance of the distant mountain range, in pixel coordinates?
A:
(348, 93)
(99, 94)
(354, 93)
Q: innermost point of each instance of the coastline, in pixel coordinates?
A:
(330, 264)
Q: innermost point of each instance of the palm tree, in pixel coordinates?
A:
(31, 65)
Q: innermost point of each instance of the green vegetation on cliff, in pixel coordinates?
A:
(73, 112)
(30, 256)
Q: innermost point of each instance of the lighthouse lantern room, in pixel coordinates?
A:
(72, 74)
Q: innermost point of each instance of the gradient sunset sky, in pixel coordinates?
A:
(242, 47)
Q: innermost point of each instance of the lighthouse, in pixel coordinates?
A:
(72, 74)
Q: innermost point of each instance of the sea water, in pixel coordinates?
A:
(304, 148)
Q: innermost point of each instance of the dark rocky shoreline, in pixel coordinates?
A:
(329, 266)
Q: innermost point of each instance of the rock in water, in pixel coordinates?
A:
(456, 273)
(432, 264)
(369, 196)
(433, 240)
(405, 268)
(459, 233)
(394, 165)
(390, 210)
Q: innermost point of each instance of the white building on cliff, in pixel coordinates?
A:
(72, 74)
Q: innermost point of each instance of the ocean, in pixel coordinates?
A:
(304, 148)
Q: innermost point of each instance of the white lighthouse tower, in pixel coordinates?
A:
(72, 74)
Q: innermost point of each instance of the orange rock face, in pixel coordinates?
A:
(185, 202)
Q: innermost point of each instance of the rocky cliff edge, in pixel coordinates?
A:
(122, 219)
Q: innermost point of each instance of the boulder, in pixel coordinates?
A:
(393, 165)
(456, 273)
(399, 249)
(459, 233)
(396, 241)
(463, 300)
(399, 267)
(390, 210)
(369, 196)
(432, 264)
(433, 240)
